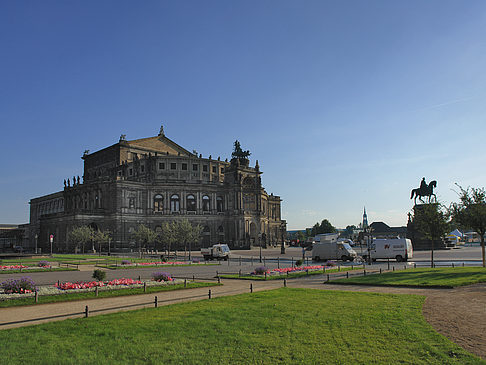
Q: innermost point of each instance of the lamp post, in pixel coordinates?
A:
(51, 239)
(370, 242)
(36, 237)
(282, 248)
(260, 244)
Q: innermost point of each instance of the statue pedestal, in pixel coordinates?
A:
(419, 242)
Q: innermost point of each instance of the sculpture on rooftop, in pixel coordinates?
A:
(425, 190)
(239, 155)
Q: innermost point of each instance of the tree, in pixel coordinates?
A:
(79, 237)
(349, 231)
(326, 227)
(167, 235)
(183, 233)
(195, 236)
(101, 237)
(471, 213)
(144, 236)
(432, 222)
(301, 236)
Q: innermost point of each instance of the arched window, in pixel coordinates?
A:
(220, 204)
(174, 203)
(206, 205)
(206, 236)
(220, 234)
(158, 203)
(191, 203)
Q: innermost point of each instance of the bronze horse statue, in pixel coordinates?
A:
(427, 191)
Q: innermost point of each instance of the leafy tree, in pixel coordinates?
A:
(433, 222)
(195, 236)
(186, 234)
(101, 237)
(144, 236)
(301, 236)
(79, 237)
(167, 236)
(349, 231)
(326, 227)
(471, 213)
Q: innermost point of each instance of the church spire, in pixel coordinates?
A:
(365, 219)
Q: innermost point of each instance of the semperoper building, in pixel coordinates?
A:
(154, 180)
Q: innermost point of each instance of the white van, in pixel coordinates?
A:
(333, 251)
(399, 249)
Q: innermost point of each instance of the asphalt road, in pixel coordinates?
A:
(247, 260)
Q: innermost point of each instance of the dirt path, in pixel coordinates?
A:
(460, 315)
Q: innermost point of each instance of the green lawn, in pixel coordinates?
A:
(284, 326)
(291, 275)
(68, 297)
(424, 277)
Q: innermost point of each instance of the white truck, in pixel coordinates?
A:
(326, 237)
(399, 249)
(216, 252)
(333, 251)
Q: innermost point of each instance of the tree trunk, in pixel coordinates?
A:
(432, 255)
(482, 249)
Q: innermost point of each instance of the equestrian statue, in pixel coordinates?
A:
(424, 190)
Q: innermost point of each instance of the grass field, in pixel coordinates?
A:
(423, 277)
(68, 297)
(284, 326)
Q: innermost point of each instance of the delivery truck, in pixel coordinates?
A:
(216, 252)
(399, 249)
(333, 251)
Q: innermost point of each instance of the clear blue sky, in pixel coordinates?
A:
(344, 103)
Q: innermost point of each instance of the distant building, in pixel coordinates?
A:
(154, 180)
(12, 237)
(382, 230)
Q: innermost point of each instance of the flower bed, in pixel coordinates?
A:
(41, 265)
(79, 287)
(12, 267)
(23, 285)
(161, 276)
(129, 264)
(263, 270)
(92, 284)
(162, 263)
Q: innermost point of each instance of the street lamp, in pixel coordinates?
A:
(370, 242)
(282, 248)
(260, 244)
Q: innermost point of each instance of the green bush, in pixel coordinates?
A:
(299, 262)
(99, 275)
